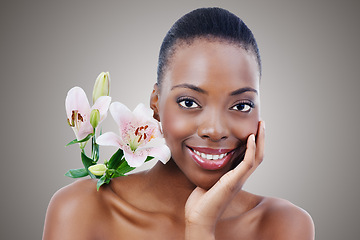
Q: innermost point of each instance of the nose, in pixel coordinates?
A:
(213, 126)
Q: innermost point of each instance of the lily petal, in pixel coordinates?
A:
(110, 139)
(135, 159)
(121, 114)
(161, 153)
(156, 142)
(76, 100)
(84, 131)
(143, 112)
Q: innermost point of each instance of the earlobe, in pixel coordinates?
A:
(154, 102)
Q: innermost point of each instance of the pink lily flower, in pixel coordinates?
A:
(78, 111)
(140, 135)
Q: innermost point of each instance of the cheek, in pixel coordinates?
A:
(176, 127)
(242, 128)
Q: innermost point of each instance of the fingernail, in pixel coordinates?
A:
(252, 137)
(263, 124)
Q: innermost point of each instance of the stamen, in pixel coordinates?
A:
(69, 123)
(139, 138)
(80, 117)
(72, 123)
(144, 136)
(73, 117)
(137, 131)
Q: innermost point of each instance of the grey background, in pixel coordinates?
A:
(310, 98)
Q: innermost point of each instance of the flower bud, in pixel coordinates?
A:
(102, 86)
(94, 118)
(98, 169)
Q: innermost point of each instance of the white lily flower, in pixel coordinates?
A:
(140, 135)
(78, 111)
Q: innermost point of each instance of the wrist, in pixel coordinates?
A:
(196, 231)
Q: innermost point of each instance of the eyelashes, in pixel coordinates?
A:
(244, 106)
(189, 103)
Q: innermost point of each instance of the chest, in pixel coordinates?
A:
(144, 226)
(156, 226)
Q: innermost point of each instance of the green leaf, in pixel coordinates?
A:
(80, 141)
(103, 180)
(116, 159)
(77, 173)
(117, 174)
(124, 168)
(149, 158)
(87, 162)
(112, 173)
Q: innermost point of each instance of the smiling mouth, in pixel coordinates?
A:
(211, 159)
(210, 156)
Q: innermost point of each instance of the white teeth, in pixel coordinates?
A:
(210, 156)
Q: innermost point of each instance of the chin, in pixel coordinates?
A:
(206, 180)
(206, 186)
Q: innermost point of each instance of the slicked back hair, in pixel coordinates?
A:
(213, 24)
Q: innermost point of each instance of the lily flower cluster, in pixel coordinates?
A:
(140, 137)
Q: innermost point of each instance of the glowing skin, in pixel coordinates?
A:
(208, 104)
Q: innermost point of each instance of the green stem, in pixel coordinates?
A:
(94, 149)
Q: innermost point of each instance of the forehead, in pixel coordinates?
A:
(204, 62)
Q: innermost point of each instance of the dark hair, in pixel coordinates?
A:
(208, 23)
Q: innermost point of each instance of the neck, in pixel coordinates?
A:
(170, 183)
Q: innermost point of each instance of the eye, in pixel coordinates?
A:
(243, 107)
(187, 103)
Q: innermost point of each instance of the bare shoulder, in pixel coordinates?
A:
(283, 220)
(73, 210)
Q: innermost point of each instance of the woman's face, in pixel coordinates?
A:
(208, 105)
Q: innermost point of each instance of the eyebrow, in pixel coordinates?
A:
(200, 90)
(190, 86)
(242, 90)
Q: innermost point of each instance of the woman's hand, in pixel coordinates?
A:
(204, 208)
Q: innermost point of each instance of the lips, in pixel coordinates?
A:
(209, 158)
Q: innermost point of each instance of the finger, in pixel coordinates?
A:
(215, 200)
(260, 143)
(232, 181)
(254, 154)
(193, 198)
(217, 197)
(248, 164)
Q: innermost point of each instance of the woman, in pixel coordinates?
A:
(207, 99)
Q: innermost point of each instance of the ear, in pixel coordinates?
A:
(154, 101)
